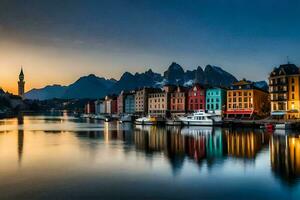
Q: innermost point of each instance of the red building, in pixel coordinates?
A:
(89, 108)
(196, 98)
(111, 104)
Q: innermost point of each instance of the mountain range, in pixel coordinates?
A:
(92, 86)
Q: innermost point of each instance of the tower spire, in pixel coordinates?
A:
(21, 84)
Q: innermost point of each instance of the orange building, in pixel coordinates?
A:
(178, 102)
(244, 100)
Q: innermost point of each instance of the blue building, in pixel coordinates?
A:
(215, 99)
(129, 102)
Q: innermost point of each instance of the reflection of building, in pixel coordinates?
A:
(20, 138)
(285, 156)
(246, 100)
(246, 144)
(21, 84)
(285, 91)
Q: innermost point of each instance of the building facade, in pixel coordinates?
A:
(120, 99)
(89, 108)
(21, 84)
(178, 101)
(129, 103)
(141, 100)
(196, 98)
(99, 107)
(244, 100)
(159, 102)
(216, 100)
(111, 105)
(284, 92)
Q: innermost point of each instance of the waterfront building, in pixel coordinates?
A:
(120, 103)
(159, 102)
(21, 84)
(129, 103)
(141, 100)
(285, 92)
(245, 100)
(99, 106)
(215, 99)
(196, 98)
(89, 108)
(178, 101)
(111, 104)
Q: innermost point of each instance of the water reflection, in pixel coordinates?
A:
(285, 157)
(20, 120)
(119, 149)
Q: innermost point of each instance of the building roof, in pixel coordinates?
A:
(285, 69)
(245, 85)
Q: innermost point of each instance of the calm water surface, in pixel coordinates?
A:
(59, 157)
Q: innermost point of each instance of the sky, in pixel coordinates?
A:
(58, 41)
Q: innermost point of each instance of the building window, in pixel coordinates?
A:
(208, 106)
(293, 96)
(293, 88)
(293, 80)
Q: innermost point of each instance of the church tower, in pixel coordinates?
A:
(21, 84)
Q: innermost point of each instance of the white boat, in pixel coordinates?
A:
(99, 117)
(126, 118)
(201, 118)
(283, 126)
(173, 122)
(85, 115)
(146, 121)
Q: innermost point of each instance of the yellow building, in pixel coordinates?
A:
(244, 100)
(285, 92)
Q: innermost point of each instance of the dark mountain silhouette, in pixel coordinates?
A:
(92, 86)
(89, 86)
(48, 92)
(129, 81)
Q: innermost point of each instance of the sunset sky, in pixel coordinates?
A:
(58, 41)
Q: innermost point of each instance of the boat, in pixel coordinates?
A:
(85, 116)
(173, 122)
(146, 121)
(283, 126)
(126, 118)
(201, 118)
(99, 117)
